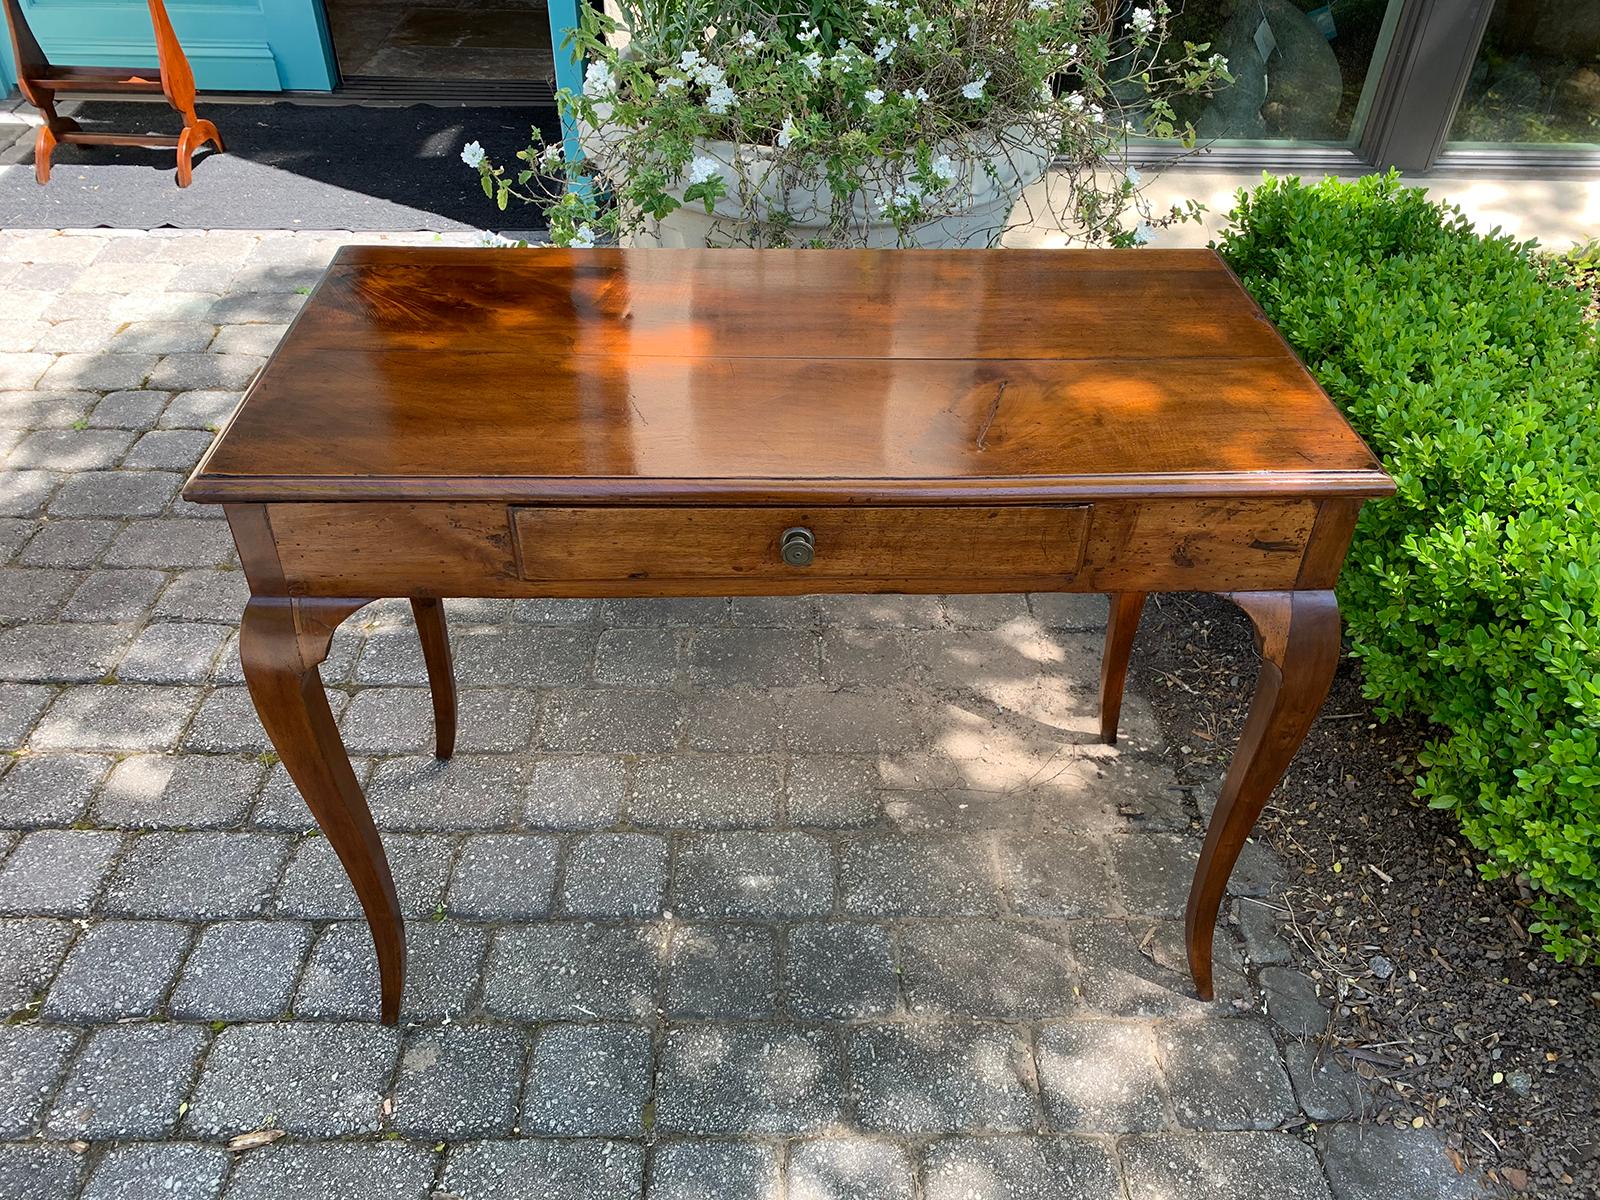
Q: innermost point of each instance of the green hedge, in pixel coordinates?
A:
(1472, 597)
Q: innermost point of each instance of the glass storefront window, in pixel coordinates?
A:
(1303, 68)
(1536, 79)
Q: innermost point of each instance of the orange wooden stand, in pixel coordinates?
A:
(39, 82)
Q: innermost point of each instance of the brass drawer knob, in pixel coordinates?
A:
(797, 546)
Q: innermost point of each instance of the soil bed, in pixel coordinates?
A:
(1456, 1018)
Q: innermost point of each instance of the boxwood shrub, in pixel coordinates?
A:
(1473, 597)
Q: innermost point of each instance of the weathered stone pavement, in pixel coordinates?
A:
(816, 899)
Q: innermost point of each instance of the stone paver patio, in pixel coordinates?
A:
(816, 899)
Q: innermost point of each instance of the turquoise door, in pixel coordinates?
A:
(233, 45)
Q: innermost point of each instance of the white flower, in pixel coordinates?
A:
(691, 61)
(721, 99)
(673, 81)
(1219, 61)
(1143, 21)
(919, 94)
(913, 29)
(813, 63)
(598, 81)
(1143, 234)
(884, 48)
(1134, 178)
(582, 237)
(874, 96)
(1075, 101)
(973, 89)
(943, 168)
(747, 39)
(703, 168)
(1039, 5)
(497, 242)
(786, 134)
(550, 156)
(472, 155)
(808, 32)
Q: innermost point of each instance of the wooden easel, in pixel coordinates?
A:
(39, 82)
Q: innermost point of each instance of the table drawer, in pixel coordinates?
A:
(729, 543)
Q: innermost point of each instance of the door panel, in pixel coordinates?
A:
(233, 45)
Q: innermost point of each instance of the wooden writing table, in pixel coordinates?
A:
(547, 423)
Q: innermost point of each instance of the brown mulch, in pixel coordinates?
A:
(1451, 1011)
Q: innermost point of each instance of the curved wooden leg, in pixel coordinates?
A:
(205, 131)
(281, 641)
(46, 141)
(187, 144)
(1121, 625)
(1298, 633)
(441, 676)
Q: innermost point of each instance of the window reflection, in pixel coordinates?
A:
(1537, 76)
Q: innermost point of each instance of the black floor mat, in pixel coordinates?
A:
(288, 166)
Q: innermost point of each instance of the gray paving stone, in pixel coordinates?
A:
(570, 970)
(322, 1171)
(113, 595)
(850, 1169)
(442, 971)
(171, 542)
(755, 658)
(864, 658)
(31, 409)
(943, 1078)
(178, 791)
(761, 1079)
(250, 339)
(702, 1169)
(501, 876)
(1068, 610)
(241, 971)
(226, 723)
(706, 791)
(205, 409)
(664, 612)
(20, 704)
(178, 652)
(57, 871)
(30, 949)
(523, 656)
(753, 874)
(459, 1082)
(924, 875)
(70, 450)
(196, 876)
(197, 372)
(81, 336)
(733, 721)
(865, 722)
(1261, 925)
(256, 308)
(97, 372)
(316, 886)
(131, 408)
(497, 720)
(389, 721)
(1243, 1166)
(1023, 1168)
(32, 1058)
(617, 721)
(588, 1081)
(39, 1172)
(1379, 1162)
(49, 789)
(131, 717)
(1101, 1076)
(32, 595)
(985, 612)
(985, 969)
(835, 971)
(14, 532)
(159, 1171)
(728, 971)
(118, 969)
(1053, 875)
(1153, 872)
(832, 791)
(127, 1082)
(535, 1169)
(556, 612)
(638, 658)
(467, 792)
(615, 875)
(68, 542)
(1225, 1075)
(24, 493)
(882, 612)
(60, 653)
(168, 450)
(1138, 969)
(311, 1080)
(115, 494)
(205, 594)
(162, 337)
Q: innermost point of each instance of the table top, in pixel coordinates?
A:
(842, 376)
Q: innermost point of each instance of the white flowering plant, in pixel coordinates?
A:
(882, 111)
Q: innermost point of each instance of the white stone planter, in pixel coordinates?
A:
(992, 174)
